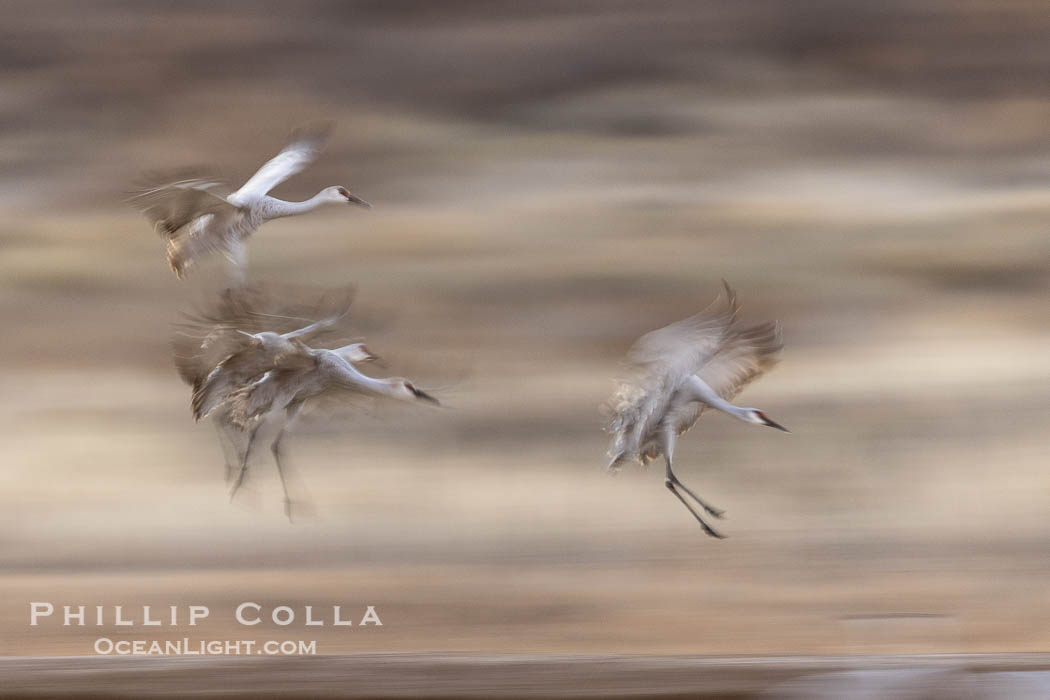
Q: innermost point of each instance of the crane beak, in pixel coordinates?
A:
(420, 394)
(354, 199)
(778, 426)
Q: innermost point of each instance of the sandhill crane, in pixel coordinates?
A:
(197, 219)
(674, 374)
(219, 350)
(297, 377)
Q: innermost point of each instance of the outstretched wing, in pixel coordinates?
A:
(743, 357)
(207, 336)
(171, 201)
(197, 355)
(329, 309)
(214, 349)
(658, 363)
(189, 209)
(298, 312)
(293, 158)
(679, 349)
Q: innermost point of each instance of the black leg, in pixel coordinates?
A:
(244, 462)
(671, 481)
(707, 528)
(275, 448)
(230, 453)
(716, 512)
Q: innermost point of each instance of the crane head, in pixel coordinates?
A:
(349, 197)
(756, 416)
(410, 391)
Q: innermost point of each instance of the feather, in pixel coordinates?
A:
(648, 398)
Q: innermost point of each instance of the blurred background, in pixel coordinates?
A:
(550, 181)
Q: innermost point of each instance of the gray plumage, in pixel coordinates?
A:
(198, 216)
(675, 373)
(249, 364)
(304, 373)
(297, 377)
(237, 339)
(219, 349)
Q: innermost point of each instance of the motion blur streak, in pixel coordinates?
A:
(550, 181)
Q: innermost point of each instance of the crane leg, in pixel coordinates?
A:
(230, 453)
(244, 461)
(716, 512)
(669, 442)
(236, 259)
(672, 483)
(275, 447)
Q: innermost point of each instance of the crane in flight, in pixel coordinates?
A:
(278, 395)
(220, 349)
(197, 217)
(674, 374)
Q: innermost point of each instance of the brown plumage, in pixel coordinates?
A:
(190, 210)
(218, 349)
(198, 216)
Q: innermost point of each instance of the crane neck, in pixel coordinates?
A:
(701, 391)
(342, 371)
(278, 208)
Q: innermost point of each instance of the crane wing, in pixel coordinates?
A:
(229, 375)
(679, 349)
(207, 336)
(256, 398)
(221, 229)
(743, 357)
(197, 355)
(286, 310)
(171, 201)
(215, 351)
(189, 209)
(293, 158)
(247, 365)
(658, 363)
